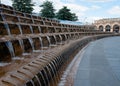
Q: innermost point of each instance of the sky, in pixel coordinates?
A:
(86, 10)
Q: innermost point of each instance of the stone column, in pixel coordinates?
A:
(104, 29)
(111, 30)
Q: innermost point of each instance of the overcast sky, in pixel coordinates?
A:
(86, 10)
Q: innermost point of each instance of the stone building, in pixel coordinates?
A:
(108, 25)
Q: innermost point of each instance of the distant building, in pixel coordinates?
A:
(108, 25)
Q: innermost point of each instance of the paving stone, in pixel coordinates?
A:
(100, 64)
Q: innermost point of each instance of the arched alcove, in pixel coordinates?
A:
(107, 28)
(116, 28)
(101, 28)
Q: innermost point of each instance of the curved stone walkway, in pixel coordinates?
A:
(100, 64)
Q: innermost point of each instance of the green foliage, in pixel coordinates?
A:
(47, 10)
(23, 5)
(74, 17)
(65, 14)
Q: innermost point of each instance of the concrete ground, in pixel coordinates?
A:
(100, 64)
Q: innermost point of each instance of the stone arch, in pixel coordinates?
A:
(101, 27)
(116, 28)
(107, 28)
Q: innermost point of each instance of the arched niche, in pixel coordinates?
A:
(101, 28)
(116, 28)
(107, 28)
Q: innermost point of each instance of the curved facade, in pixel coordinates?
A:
(108, 25)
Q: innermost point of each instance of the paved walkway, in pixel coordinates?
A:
(100, 64)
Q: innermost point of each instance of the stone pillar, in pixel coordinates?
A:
(104, 29)
(111, 30)
(97, 27)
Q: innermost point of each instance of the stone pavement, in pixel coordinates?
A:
(100, 64)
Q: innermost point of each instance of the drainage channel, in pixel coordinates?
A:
(68, 76)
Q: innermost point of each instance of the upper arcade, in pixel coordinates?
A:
(108, 25)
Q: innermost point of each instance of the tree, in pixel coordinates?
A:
(74, 17)
(47, 10)
(65, 14)
(23, 5)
